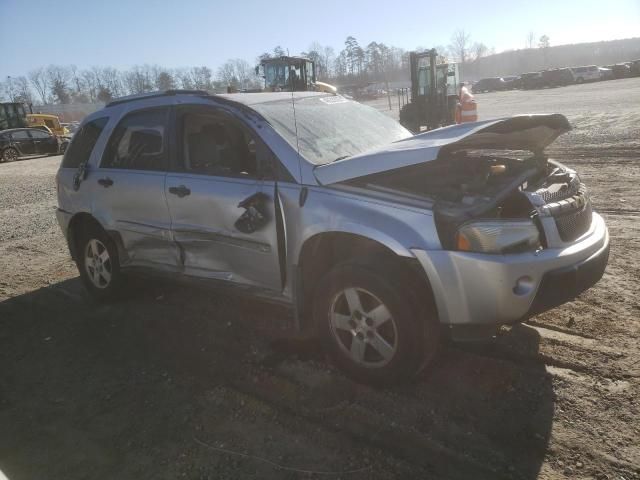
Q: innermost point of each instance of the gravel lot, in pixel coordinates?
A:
(173, 382)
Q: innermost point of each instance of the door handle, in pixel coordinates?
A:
(105, 182)
(180, 191)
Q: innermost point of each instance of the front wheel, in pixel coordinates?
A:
(98, 264)
(373, 328)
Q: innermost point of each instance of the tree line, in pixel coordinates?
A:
(353, 64)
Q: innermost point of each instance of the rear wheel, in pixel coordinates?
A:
(9, 154)
(98, 265)
(372, 327)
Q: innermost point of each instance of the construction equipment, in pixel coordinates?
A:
(286, 74)
(12, 115)
(51, 121)
(431, 101)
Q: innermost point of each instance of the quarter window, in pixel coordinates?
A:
(138, 142)
(83, 143)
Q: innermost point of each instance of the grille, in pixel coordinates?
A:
(574, 224)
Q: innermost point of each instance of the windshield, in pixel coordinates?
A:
(331, 127)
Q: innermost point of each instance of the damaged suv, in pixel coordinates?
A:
(378, 239)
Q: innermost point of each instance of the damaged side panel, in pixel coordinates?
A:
(226, 229)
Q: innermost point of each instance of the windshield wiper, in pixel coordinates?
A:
(341, 158)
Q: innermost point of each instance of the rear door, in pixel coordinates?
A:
(44, 143)
(23, 142)
(128, 188)
(222, 200)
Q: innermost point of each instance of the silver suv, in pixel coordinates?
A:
(378, 239)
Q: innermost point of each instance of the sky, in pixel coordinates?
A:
(178, 33)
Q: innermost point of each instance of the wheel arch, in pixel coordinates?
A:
(322, 251)
(79, 222)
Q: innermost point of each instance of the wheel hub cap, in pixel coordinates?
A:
(98, 263)
(363, 327)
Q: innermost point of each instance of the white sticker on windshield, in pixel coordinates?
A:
(334, 99)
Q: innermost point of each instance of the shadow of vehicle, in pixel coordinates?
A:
(141, 387)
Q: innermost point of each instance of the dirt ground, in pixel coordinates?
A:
(173, 382)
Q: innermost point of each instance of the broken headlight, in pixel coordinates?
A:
(498, 236)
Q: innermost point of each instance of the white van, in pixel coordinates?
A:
(590, 73)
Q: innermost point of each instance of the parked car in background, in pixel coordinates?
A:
(71, 127)
(512, 82)
(380, 241)
(557, 77)
(585, 74)
(23, 142)
(605, 73)
(531, 80)
(492, 84)
(620, 70)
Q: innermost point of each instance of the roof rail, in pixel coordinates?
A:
(161, 93)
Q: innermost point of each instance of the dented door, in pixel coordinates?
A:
(225, 228)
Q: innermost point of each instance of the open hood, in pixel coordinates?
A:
(521, 132)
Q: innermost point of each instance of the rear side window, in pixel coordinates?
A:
(83, 143)
(39, 134)
(138, 142)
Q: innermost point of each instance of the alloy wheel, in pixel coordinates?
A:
(97, 263)
(9, 155)
(363, 327)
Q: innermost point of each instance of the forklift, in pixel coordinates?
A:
(431, 101)
(291, 74)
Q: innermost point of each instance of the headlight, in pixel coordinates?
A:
(495, 236)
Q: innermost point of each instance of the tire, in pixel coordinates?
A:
(63, 148)
(98, 264)
(410, 117)
(580, 80)
(10, 154)
(372, 326)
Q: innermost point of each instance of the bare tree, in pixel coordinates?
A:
(59, 78)
(227, 74)
(544, 42)
(183, 78)
(237, 73)
(138, 79)
(111, 78)
(39, 82)
(201, 78)
(531, 40)
(479, 50)
(9, 89)
(23, 92)
(460, 45)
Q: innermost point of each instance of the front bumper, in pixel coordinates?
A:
(483, 289)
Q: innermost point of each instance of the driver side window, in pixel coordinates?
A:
(216, 145)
